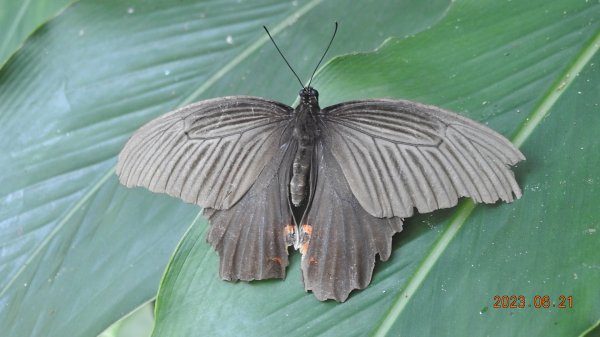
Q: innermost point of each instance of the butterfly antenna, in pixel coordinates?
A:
(325, 53)
(280, 53)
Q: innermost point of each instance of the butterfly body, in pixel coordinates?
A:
(306, 132)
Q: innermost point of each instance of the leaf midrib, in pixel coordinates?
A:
(15, 23)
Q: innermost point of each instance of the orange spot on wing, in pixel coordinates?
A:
(306, 228)
(312, 260)
(277, 260)
(288, 230)
(306, 233)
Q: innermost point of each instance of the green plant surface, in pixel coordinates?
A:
(18, 19)
(77, 250)
(528, 69)
(138, 323)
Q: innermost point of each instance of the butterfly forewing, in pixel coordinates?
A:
(208, 153)
(398, 155)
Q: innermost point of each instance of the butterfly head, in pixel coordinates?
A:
(308, 95)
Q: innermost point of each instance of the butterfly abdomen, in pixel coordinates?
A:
(300, 171)
(305, 133)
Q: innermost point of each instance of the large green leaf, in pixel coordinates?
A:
(18, 19)
(77, 250)
(510, 65)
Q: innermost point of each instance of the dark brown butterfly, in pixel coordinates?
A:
(334, 183)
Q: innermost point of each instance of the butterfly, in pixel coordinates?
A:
(335, 183)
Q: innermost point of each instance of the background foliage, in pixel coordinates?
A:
(80, 251)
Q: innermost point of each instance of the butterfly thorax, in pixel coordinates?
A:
(305, 132)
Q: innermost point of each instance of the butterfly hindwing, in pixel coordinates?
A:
(338, 239)
(208, 153)
(252, 237)
(398, 155)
